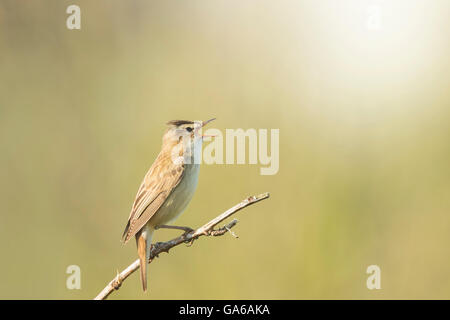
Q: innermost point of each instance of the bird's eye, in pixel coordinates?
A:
(189, 129)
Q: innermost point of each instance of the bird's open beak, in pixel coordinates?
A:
(204, 124)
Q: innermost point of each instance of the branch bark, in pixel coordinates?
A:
(206, 230)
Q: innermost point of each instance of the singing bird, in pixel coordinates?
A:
(167, 187)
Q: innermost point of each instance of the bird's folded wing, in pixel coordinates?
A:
(160, 181)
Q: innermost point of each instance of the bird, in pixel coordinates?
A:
(167, 188)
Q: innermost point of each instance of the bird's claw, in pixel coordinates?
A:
(190, 242)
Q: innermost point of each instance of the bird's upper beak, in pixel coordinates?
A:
(207, 121)
(204, 124)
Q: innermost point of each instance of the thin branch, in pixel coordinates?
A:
(205, 230)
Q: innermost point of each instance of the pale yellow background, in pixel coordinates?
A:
(364, 145)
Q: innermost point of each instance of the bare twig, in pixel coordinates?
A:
(205, 230)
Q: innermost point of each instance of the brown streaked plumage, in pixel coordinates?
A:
(162, 177)
(167, 187)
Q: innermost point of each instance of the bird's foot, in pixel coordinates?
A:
(189, 243)
(187, 230)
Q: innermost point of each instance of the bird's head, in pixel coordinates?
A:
(185, 132)
(185, 129)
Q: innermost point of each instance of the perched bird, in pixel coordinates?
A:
(167, 187)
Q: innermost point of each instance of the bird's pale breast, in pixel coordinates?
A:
(180, 197)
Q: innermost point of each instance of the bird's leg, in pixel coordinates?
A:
(185, 229)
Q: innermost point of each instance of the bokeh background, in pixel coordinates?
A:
(364, 119)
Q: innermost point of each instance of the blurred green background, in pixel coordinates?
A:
(364, 145)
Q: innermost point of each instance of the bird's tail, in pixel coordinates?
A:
(144, 240)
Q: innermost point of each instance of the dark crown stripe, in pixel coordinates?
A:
(179, 122)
